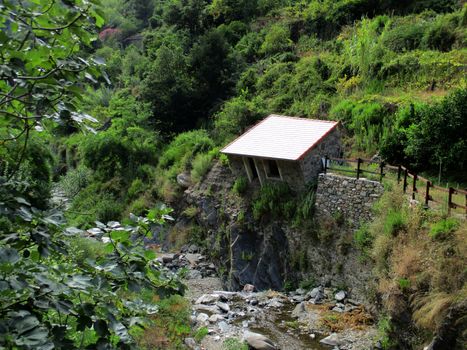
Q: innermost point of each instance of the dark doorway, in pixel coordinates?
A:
(254, 173)
(273, 169)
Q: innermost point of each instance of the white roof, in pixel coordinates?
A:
(280, 137)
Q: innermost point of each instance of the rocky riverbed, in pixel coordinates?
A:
(318, 319)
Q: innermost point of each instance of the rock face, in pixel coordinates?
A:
(266, 253)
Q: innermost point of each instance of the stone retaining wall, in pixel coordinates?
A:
(350, 196)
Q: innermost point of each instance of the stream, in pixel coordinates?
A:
(291, 321)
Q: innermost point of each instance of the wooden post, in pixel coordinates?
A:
(427, 194)
(405, 180)
(399, 173)
(381, 173)
(359, 161)
(451, 191)
(466, 206)
(414, 186)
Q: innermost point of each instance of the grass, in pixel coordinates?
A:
(240, 185)
(443, 228)
(201, 333)
(200, 166)
(234, 344)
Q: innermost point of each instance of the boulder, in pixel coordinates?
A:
(299, 310)
(202, 318)
(223, 306)
(184, 180)
(190, 343)
(215, 318)
(223, 327)
(258, 341)
(333, 340)
(249, 288)
(208, 299)
(340, 296)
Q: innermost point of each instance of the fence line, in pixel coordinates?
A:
(403, 175)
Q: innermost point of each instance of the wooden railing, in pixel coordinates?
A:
(420, 186)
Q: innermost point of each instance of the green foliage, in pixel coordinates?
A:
(384, 329)
(404, 284)
(240, 185)
(443, 228)
(74, 281)
(180, 151)
(308, 283)
(74, 181)
(275, 200)
(430, 135)
(394, 222)
(234, 344)
(277, 39)
(201, 333)
(363, 239)
(200, 166)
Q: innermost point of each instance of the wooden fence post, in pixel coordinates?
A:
(405, 180)
(359, 161)
(451, 191)
(381, 173)
(399, 173)
(427, 194)
(414, 186)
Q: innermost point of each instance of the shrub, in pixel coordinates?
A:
(107, 209)
(240, 185)
(275, 199)
(394, 222)
(200, 166)
(277, 39)
(363, 238)
(74, 181)
(405, 37)
(184, 146)
(443, 228)
(136, 188)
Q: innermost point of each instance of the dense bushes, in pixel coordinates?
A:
(431, 136)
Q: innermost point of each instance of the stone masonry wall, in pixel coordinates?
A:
(311, 163)
(350, 196)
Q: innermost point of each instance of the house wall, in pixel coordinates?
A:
(311, 163)
(295, 173)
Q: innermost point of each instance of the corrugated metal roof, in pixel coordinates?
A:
(280, 137)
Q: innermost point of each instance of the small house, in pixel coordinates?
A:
(282, 148)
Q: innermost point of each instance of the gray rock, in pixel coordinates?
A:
(300, 291)
(194, 274)
(275, 303)
(223, 327)
(193, 259)
(190, 343)
(215, 318)
(211, 309)
(299, 310)
(249, 288)
(314, 292)
(258, 341)
(167, 258)
(184, 180)
(202, 318)
(223, 306)
(333, 340)
(208, 299)
(353, 302)
(340, 296)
